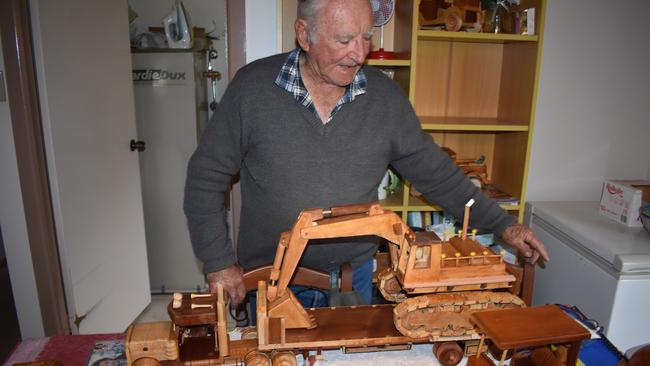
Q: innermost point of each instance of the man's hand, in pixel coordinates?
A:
(232, 280)
(523, 238)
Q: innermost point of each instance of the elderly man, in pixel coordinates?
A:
(317, 128)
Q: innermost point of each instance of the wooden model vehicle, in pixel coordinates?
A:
(453, 14)
(475, 169)
(438, 284)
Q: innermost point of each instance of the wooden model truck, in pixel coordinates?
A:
(437, 284)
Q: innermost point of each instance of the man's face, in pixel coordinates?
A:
(342, 40)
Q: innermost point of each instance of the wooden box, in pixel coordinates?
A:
(157, 340)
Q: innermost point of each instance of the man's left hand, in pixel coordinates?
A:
(523, 238)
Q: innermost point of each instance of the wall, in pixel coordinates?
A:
(14, 230)
(236, 11)
(262, 33)
(288, 19)
(593, 99)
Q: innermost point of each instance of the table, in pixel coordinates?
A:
(76, 349)
(73, 350)
(532, 327)
(418, 355)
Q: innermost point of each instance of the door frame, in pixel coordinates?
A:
(32, 166)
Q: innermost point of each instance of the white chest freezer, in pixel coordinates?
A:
(598, 265)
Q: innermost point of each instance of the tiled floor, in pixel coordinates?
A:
(156, 311)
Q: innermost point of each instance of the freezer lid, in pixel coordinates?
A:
(632, 263)
(627, 249)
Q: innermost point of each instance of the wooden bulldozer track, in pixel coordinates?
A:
(447, 315)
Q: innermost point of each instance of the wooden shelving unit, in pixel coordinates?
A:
(473, 92)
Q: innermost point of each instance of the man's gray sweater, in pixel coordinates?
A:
(289, 160)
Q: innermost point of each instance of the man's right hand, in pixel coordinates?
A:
(232, 280)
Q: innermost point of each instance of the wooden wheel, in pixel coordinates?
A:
(453, 20)
(256, 358)
(249, 333)
(283, 358)
(146, 361)
(448, 353)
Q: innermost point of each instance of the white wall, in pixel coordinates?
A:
(14, 229)
(262, 38)
(593, 109)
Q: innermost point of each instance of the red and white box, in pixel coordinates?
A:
(621, 200)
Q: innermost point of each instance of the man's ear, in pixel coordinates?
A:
(302, 34)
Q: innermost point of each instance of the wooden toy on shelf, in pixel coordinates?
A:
(475, 169)
(453, 14)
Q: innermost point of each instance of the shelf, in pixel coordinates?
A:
(424, 34)
(468, 124)
(389, 63)
(421, 204)
(464, 127)
(508, 207)
(393, 201)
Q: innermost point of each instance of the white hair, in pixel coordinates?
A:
(308, 11)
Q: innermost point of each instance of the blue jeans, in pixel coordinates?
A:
(362, 281)
(318, 298)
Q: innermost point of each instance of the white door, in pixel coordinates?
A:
(83, 68)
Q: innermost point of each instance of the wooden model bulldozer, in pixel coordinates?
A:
(437, 283)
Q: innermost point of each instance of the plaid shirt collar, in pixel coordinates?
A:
(290, 80)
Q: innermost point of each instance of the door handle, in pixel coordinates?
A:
(137, 145)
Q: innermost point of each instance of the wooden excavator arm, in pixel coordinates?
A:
(337, 222)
